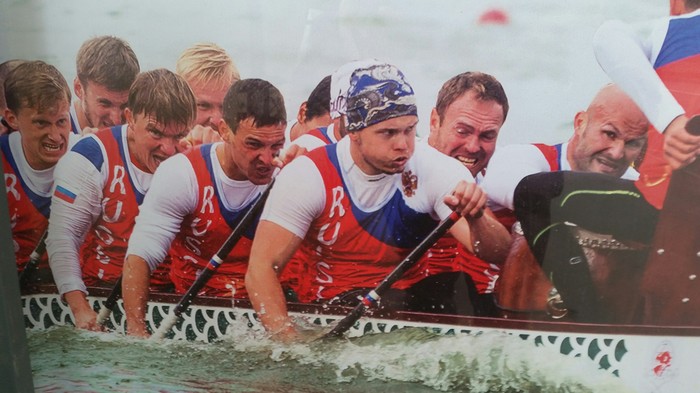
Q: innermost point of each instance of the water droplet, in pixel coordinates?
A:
(660, 251)
(692, 277)
(685, 300)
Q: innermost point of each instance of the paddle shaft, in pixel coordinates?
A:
(373, 296)
(33, 263)
(110, 302)
(214, 263)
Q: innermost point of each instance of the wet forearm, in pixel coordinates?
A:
(135, 281)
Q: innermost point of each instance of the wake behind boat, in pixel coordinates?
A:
(645, 358)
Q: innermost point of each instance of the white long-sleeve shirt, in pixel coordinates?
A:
(172, 196)
(70, 222)
(627, 57)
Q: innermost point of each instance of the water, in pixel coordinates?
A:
(544, 59)
(409, 360)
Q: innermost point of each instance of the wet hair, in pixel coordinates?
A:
(256, 99)
(165, 95)
(108, 61)
(37, 85)
(318, 103)
(205, 63)
(485, 86)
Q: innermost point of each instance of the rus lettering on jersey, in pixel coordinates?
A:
(111, 210)
(11, 185)
(118, 180)
(104, 234)
(14, 219)
(100, 256)
(322, 234)
(196, 225)
(193, 244)
(338, 195)
(207, 196)
(492, 278)
(189, 259)
(323, 274)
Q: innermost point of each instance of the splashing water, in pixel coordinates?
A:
(411, 360)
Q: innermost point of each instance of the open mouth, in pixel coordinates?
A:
(467, 161)
(52, 147)
(400, 162)
(159, 159)
(263, 171)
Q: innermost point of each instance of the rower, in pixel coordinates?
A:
(210, 72)
(101, 182)
(608, 137)
(354, 209)
(196, 199)
(313, 113)
(38, 105)
(658, 66)
(658, 70)
(106, 66)
(470, 110)
(339, 85)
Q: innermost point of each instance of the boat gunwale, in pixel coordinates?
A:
(458, 321)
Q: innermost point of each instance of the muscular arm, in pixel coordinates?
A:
(485, 237)
(170, 198)
(68, 226)
(479, 231)
(296, 199)
(135, 279)
(272, 249)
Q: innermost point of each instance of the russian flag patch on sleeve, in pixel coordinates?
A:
(64, 194)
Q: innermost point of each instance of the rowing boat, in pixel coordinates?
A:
(646, 358)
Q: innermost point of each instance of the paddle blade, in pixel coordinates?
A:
(348, 322)
(32, 265)
(110, 302)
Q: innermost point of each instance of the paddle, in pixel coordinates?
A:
(33, 264)
(373, 296)
(212, 266)
(110, 302)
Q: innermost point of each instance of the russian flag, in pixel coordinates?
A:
(64, 194)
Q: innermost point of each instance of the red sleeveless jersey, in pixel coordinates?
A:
(677, 65)
(28, 211)
(348, 248)
(104, 249)
(203, 232)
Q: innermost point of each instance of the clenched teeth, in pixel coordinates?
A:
(51, 146)
(467, 161)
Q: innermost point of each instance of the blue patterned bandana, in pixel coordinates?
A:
(376, 94)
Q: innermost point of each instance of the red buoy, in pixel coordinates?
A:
(494, 16)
